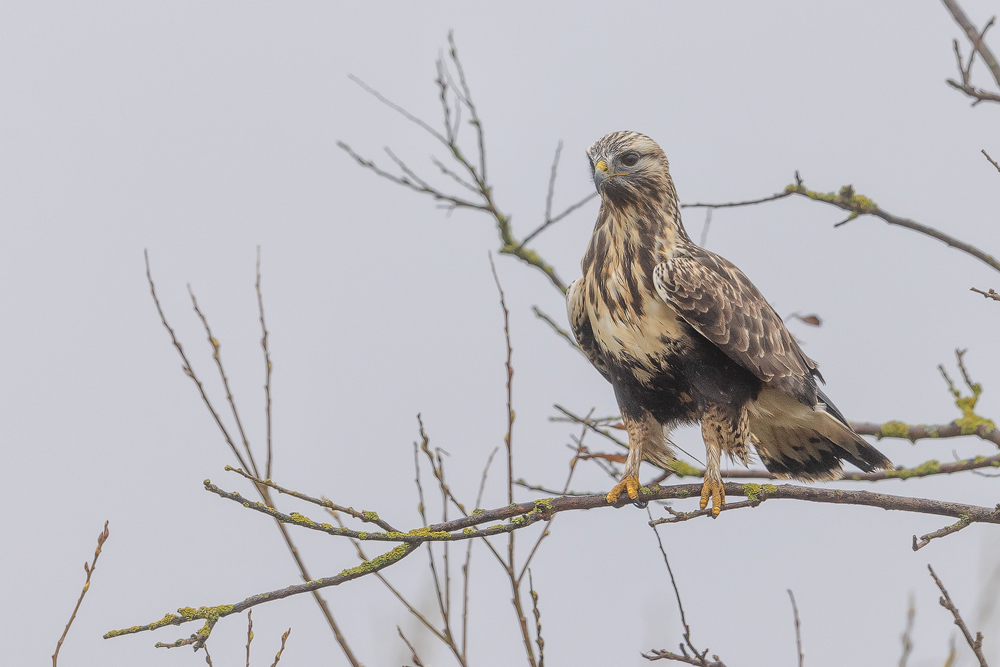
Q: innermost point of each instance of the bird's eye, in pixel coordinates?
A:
(630, 159)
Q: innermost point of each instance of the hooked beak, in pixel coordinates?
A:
(600, 173)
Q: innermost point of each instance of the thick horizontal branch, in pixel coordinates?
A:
(521, 515)
(757, 493)
(464, 528)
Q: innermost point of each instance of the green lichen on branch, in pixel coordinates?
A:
(931, 467)
(427, 532)
(185, 614)
(758, 492)
(894, 429)
(846, 199)
(969, 422)
(684, 469)
(512, 247)
(378, 562)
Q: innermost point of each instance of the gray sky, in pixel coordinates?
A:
(200, 130)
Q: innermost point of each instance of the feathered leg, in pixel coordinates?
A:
(722, 431)
(644, 434)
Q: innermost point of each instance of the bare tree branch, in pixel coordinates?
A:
(249, 634)
(963, 522)
(565, 335)
(989, 294)
(975, 644)
(478, 182)
(262, 488)
(211, 615)
(89, 569)
(697, 657)
(992, 161)
(538, 621)
(267, 369)
(857, 205)
(277, 656)
(798, 633)
(978, 46)
(413, 652)
(911, 612)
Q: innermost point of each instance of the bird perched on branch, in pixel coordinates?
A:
(683, 336)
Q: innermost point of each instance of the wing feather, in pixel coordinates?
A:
(721, 304)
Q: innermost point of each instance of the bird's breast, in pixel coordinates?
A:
(637, 334)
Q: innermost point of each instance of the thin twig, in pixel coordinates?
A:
(249, 634)
(261, 489)
(188, 369)
(478, 181)
(399, 596)
(963, 522)
(990, 294)
(569, 478)
(367, 517)
(515, 583)
(704, 229)
(267, 369)
(510, 377)
(413, 651)
(216, 354)
(549, 220)
(857, 205)
(538, 621)
(975, 644)
(468, 559)
(749, 202)
(699, 657)
(907, 638)
(798, 632)
(992, 161)
(89, 569)
(978, 46)
(277, 656)
(565, 335)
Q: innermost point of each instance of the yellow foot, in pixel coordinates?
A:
(629, 484)
(713, 489)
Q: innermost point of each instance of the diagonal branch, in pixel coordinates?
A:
(211, 615)
(473, 167)
(89, 569)
(978, 46)
(261, 489)
(857, 205)
(975, 644)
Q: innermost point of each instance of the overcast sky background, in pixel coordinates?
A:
(201, 130)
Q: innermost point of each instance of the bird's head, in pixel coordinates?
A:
(629, 167)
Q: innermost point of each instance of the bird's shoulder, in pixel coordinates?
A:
(718, 300)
